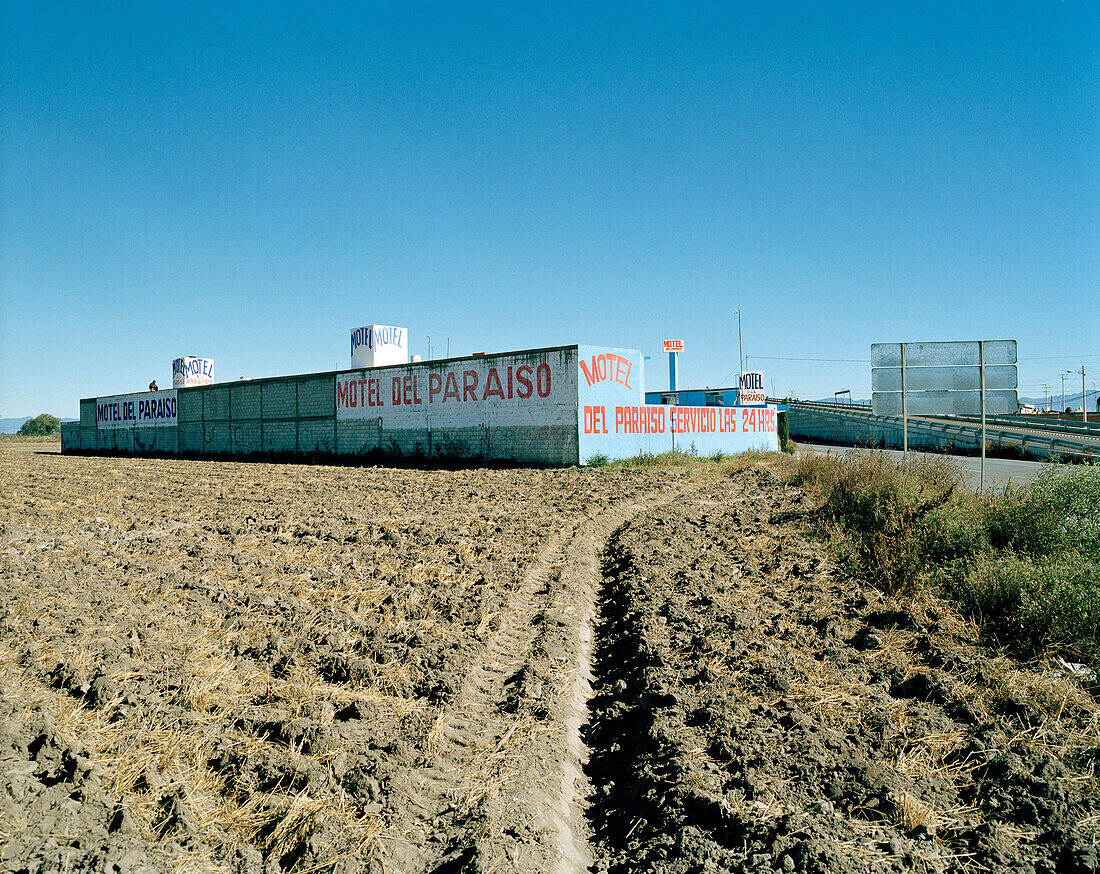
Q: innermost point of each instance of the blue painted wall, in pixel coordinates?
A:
(694, 397)
(614, 419)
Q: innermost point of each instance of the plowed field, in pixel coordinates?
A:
(212, 666)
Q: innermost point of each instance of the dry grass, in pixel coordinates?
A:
(214, 587)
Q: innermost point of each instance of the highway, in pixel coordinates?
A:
(1066, 439)
(998, 471)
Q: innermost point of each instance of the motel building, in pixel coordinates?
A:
(556, 406)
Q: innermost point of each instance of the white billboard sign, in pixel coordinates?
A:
(379, 345)
(140, 410)
(189, 371)
(950, 378)
(998, 377)
(674, 345)
(952, 353)
(944, 403)
(943, 378)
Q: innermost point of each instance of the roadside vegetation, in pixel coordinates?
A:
(715, 465)
(1024, 563)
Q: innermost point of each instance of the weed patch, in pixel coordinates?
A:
(1025, 562)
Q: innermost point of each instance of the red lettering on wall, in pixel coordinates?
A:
(451, 389)
(469, 385)
(493, 388)
(542, 380)
(607, 367)
(524, 380)
(435, 385)
(595, 419)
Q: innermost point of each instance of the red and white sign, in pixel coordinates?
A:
(752, 389)
(674, 345)
(502, 388)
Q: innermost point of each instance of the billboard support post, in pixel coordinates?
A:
(981, 361)
(904, 410)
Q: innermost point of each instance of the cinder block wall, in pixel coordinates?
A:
(298, 415)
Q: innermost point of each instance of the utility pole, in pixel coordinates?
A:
(429, 336)
(1046, 397)
(740, 357)
(1063, 407)
(448, 347)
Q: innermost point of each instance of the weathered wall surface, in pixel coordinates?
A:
(562, 405)
(520, 406)
(615, 421)
(294, 414)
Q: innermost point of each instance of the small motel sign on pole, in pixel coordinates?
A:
(672, 347)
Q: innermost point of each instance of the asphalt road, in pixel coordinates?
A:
(998, 471)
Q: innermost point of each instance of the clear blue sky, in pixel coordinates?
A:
(248, 182)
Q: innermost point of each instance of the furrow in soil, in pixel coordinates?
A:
(757, 709)
(506, 781)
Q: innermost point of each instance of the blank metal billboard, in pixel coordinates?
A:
(944, 378)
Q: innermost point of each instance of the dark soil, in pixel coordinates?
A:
(248, 667)
(245, 667)
(757, 710)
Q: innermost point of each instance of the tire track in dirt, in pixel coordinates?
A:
(506, 757)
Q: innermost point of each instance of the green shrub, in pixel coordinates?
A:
(598, 460)
(1058, 508)
(1070, 495)
(1025, 563)
(1027, 605)
(1016, 523)
(881, 505)
(783, 426)
(955, 531)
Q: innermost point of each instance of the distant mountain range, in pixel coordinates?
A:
(12, 425)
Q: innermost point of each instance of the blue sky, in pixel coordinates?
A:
(248, 182)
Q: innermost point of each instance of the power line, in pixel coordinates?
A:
(848, 360)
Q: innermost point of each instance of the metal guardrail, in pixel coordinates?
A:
(1090, 428)
(826, 405)
(1040, 445)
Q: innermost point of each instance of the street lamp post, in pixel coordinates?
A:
(1063, 408)
(1084, 395)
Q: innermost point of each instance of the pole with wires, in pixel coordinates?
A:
(740, 357)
